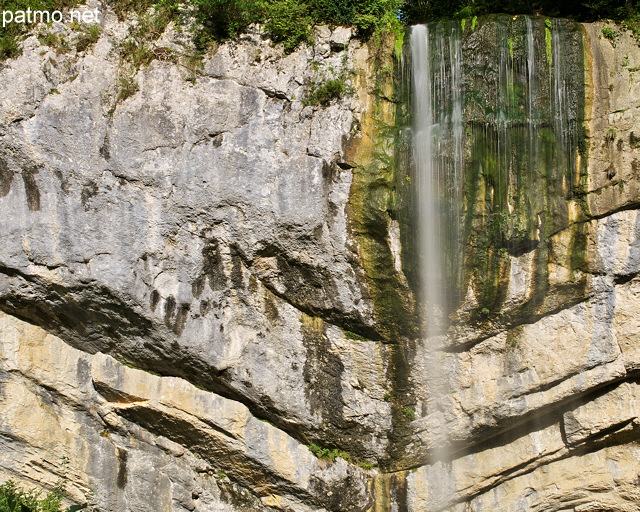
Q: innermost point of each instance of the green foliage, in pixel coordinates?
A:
(89, 36)
(11, 33)
(609, 34)
(151, 25)
(57, 42)
(328, 454)
(286, 21)
(14, 498)
(353, 336)
(123, 8)
(632, 23)
(409, 413)
(367, 16)
(8, 47)
(136, 53)
(326, 90)
(548, 39)
(223, 19)
(128, 87)
(289, 22)
(364, 14)
(136, 48)
(419, 11)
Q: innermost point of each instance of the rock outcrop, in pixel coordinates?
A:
(202, 278)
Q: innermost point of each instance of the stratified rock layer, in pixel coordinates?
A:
(199, 281)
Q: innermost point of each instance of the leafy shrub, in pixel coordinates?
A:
(57, 42)
(138, 49)
(286, 21)
(364, 14)
(325, 92)
(336, 12)
(409, 413)
(124, 7)
(633, 24)
(289, 22)
(223, 19)
(151, 25)
(609, 34)
(8, 47)
(15, 499)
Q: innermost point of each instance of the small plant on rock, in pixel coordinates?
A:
(88, 36)
(324, 92)
(608, 33)
(328, 454)
(409, 413)
(353, 336)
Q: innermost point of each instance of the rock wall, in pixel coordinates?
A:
(200, 280)
(540, 413)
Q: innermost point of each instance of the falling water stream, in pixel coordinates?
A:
(496, 130)
(438, 157)
(497, 117)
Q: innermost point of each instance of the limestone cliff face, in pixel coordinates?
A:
(201, 279)
(196, 229)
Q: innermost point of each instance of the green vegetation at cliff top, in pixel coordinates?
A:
(291, 21)
(417, 11)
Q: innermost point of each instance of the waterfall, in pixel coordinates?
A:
(438, 156)
(497, 123)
